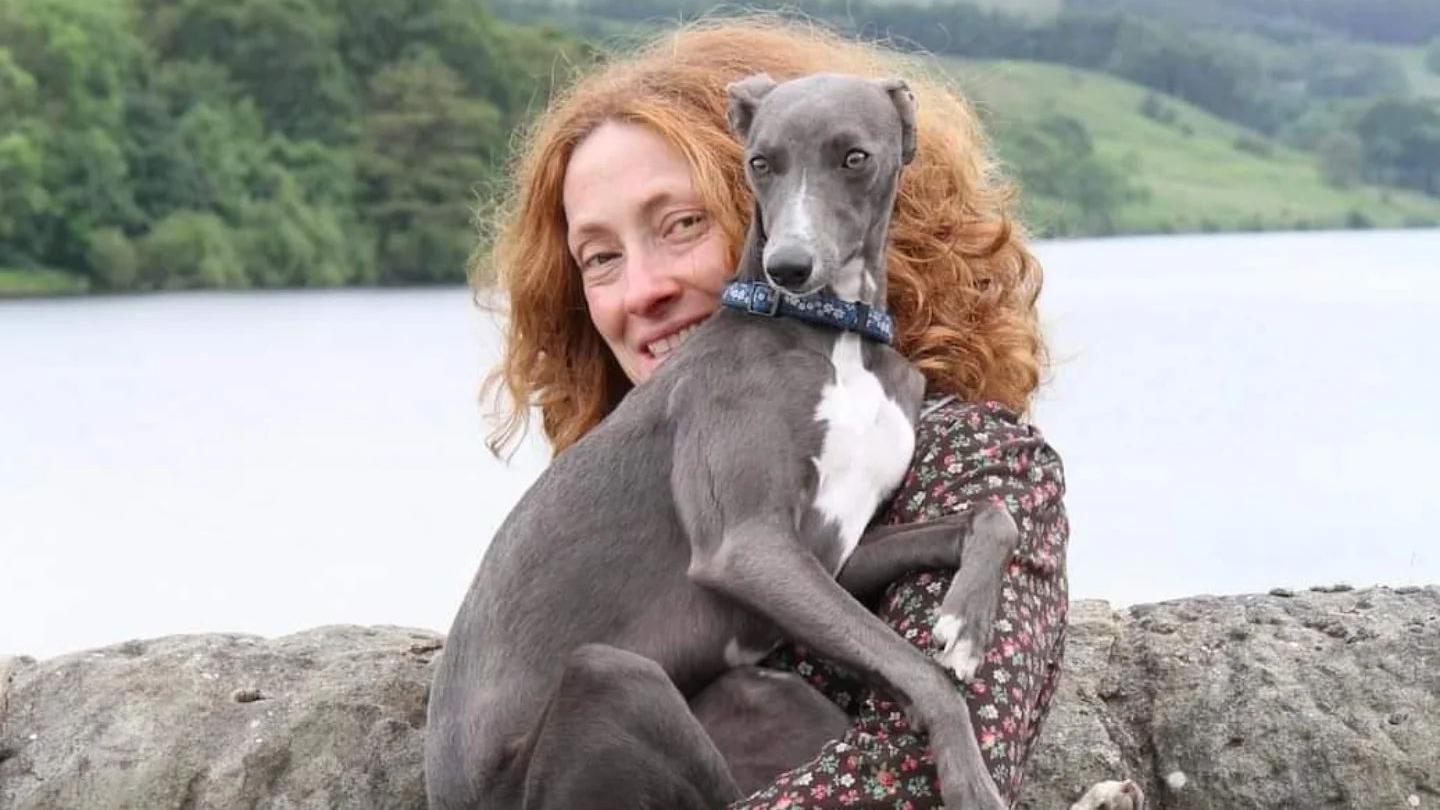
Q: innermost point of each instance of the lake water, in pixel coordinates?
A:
(1235, 413)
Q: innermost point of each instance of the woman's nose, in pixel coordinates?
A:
(650, 282)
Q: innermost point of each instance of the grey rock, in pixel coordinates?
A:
(327, 718)
(1313, 703)
(1208, 702)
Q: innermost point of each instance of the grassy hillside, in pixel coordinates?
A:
(1197, 171)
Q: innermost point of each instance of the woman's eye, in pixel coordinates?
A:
(759, 164)
(855, 158)
(686, 224)
(596, 261)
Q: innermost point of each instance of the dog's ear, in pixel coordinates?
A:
(904, 100)
(745, 96)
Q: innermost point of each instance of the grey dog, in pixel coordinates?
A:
(710, 514)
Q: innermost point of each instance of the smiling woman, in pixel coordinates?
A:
(651, 262)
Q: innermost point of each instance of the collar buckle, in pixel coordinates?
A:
(764, 300)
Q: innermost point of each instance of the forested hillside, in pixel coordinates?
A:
(1336, 100)
(160, 144)
(170, 144)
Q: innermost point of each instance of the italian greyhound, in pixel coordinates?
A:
(718, 509)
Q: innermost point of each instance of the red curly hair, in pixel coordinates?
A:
(962, 283)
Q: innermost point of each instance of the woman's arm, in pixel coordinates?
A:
(966, 455)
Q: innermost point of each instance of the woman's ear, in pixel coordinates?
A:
(904, 101)
(745, 96)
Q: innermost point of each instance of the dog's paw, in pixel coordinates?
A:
(967, 613)
(1112, 795)
(959, 653)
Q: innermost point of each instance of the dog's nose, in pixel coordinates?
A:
(789, 266)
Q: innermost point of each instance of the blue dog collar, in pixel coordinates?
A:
(760, 298)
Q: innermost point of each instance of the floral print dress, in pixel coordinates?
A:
(965, 454)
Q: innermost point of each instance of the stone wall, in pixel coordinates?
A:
(1321, 699)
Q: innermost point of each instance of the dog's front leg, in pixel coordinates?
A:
(886, 553)
(762, 565)
(978, 542)
(967, 613)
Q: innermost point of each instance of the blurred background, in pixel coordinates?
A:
(241, 369)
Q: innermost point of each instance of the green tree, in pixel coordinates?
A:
(425, 147)
(1402, 143)
(166, 174)
(17, 90)
(188, 143)
(113, 260)
(24, 200)
(190, 250)
(283, 53)
(1069, 189)
(66, 64)
(1341, 159)
(286, 242)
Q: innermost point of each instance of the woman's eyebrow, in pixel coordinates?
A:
(661, 198)
(585, 229)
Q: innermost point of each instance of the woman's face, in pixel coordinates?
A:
(652, 261)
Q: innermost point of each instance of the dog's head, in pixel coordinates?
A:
(823, 154)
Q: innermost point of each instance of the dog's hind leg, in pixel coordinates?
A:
(618, 734)
(766, 722)
(968, 611)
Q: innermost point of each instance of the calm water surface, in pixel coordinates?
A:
(1235, 412)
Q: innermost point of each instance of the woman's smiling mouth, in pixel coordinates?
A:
(663, 347)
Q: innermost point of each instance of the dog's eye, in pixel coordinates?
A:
(856, 158)
(759, 165)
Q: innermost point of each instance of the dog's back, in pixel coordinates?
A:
(563, 569)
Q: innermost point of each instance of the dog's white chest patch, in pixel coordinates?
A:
(867, 446)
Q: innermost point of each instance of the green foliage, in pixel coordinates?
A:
(422, 152)
(283, 54)
(66, 63)
(1401, 143)
(17, 282)
(1068, 187)
(189, 250)
(17, 89)
(1341, 159)
(113, 261)
(1288, 73)
(1156, 110)
(160, 144)
(24, 201)
(1183, 175)
(1389, 21)
(1254, 144)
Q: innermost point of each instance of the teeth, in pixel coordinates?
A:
(664, 346)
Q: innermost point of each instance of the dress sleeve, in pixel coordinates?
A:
(966, 454)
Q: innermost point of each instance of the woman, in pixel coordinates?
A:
(628, 210)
